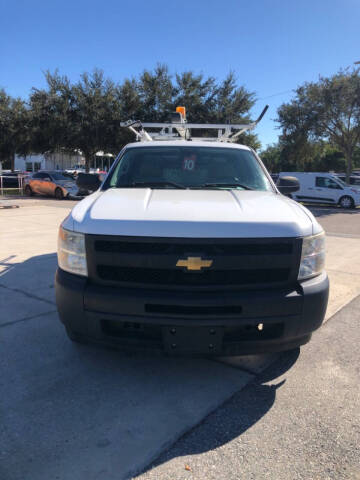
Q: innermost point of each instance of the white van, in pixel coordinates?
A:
(318, 187)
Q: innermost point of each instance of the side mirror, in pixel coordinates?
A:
(88, 181)
(288, 185)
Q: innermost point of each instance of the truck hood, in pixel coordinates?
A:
(191, 213)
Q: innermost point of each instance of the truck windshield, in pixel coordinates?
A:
(188, 167)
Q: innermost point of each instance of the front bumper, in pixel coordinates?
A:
(225, 323)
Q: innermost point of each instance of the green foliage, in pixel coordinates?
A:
(327, 110)
(14, 132)
(85, 116)
(154, 95)
(271, 158)
(320, 157)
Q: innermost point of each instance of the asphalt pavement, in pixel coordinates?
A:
(299, 419)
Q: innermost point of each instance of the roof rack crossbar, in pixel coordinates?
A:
(226, 132)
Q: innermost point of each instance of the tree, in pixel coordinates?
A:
(14, 135)
(325, 110)
(84, 116)
(207, 101)
(155, 94)
(271, 158)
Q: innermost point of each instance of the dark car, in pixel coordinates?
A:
(10, 179)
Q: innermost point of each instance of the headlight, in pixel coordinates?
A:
(312, 256)
(71, 252)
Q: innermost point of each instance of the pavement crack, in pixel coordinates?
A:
(27, 294)
(27, 318)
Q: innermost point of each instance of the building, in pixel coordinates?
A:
(47, 161)
(60, 161)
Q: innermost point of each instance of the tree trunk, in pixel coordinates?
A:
(87, 162)
(348, 157)
(12, 162)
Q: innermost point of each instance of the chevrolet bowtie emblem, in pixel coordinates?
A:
(194, 263)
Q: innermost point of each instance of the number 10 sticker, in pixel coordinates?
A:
(189, 162)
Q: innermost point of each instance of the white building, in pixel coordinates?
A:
(47, 161)
(60, 161)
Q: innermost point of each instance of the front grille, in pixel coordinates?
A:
(217, 248)
(179, 277)
(151, 262)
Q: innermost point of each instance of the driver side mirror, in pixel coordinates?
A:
(288, 185)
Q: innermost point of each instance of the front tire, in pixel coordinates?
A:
(59, 194)
(28, 191)
(74, 337)
(346, 202)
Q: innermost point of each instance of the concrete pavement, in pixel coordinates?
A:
(342, 249)
(298, 420)
(69, 410)
(78, 412)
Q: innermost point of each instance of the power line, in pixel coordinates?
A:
(275, 94)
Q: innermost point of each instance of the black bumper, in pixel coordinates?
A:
(226, 323)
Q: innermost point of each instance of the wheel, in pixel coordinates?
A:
(28, 191)
(74, 337)
(346, 202)
(59, 194)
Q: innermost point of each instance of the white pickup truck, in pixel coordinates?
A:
(189, 247)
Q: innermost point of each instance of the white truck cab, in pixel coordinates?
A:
(189, 247)
(320, 187)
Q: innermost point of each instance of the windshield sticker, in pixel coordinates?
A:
(189, 162)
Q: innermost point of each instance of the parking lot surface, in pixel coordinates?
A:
(81, 412)
(298, 420)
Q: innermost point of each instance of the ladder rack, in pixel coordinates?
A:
(179, 129)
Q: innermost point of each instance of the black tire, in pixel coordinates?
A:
(59, 194)
(346, 202)
(74, 337)
(28, 191)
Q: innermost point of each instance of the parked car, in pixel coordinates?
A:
(52, 183)
(74, 170)
(318, 187)
(10, 179)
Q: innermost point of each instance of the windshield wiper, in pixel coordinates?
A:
(156, 184)
(226, 185)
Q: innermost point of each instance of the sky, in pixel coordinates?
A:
(273, 46)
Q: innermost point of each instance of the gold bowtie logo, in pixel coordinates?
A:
(194, 263)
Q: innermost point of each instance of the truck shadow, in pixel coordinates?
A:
(98, 412)
(235, 416)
